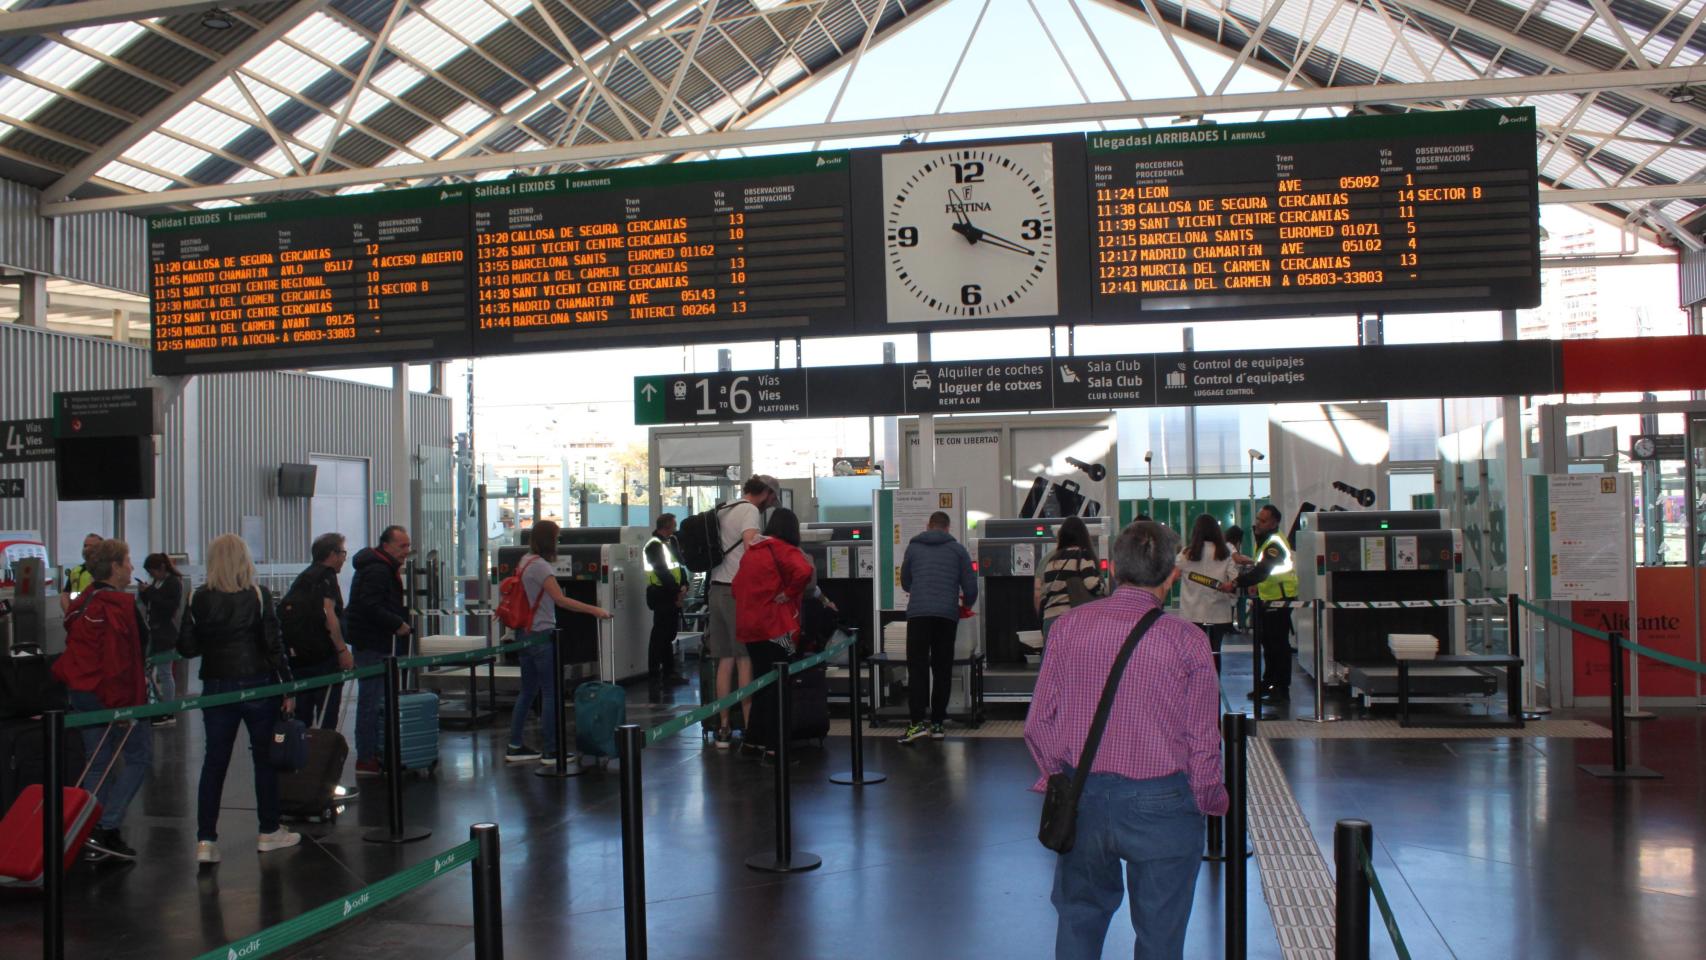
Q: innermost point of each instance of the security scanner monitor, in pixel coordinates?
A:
(1007, 554)
(845, 556)
(606, 567)
(1383, 573)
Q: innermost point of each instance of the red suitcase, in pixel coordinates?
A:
(21, 861)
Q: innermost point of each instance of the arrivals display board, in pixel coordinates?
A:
(718, 250)
(1420, 211)
(336, 281)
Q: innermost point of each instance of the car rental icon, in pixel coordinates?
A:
(921, 380)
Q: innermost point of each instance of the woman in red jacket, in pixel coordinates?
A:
(774, 576)
(102, 669)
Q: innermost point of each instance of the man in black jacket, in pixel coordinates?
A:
(378, 625)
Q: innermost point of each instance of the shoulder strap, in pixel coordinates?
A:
(1091, 743)
(537, 600)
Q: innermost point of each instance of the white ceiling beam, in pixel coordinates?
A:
(1349, 97)
(181, 98)
(1658, 191)
(68, 16)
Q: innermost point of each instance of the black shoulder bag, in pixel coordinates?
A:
(1059, 826)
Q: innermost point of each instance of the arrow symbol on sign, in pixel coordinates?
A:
(648, 391)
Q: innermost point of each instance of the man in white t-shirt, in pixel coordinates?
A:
(738, 523)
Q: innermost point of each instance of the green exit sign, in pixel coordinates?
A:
(648, 400)
(382, 498)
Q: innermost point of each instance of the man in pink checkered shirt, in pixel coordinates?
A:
(1158, 770)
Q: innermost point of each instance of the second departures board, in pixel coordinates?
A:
(1409, 213)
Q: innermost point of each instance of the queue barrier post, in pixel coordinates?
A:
(562, 769)
(394, 831)
(53, 836)
(1237, 830)
(784, 859)
(1320, 669)
(630, 742)
(488, 893)
(858, 776)
(1351, 883)
(1619, 768)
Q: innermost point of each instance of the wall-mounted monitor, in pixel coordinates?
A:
(296, 479)
(105, 468)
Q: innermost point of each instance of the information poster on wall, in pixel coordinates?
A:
(1580, 528)
(902, 515)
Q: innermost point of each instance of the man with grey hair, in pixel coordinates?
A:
(1158, 770)
(312, 614)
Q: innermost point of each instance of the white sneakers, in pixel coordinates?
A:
(277, 840)
(206, 851)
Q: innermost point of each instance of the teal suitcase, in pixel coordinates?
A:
(599, 709)
(417, 721)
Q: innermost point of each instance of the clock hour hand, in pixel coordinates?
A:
(962, 224)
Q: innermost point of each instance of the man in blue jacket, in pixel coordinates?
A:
(937, 576)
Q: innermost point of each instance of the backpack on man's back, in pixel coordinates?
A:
(701, 539)
(302, 620)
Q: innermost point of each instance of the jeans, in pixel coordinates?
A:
(322, 702)
(536, 666)
(116, 791)
(221, 724)
(370, 700)
(165, 687)
(1155, 829)
(930, 666)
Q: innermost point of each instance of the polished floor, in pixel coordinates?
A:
(1493, 848)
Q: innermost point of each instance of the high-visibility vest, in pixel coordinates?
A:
(674, 565)
(1281, 583)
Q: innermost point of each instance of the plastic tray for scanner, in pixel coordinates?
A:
(1413, 646)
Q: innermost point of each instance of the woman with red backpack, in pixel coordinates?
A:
(774, 577)
(537, 578)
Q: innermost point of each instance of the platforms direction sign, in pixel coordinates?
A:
(11, 488)
(1103, 382)
(24, 441)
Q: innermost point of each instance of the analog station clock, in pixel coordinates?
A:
(969, 233)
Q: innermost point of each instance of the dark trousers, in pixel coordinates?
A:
(930, 666)
(319, 702)
(666, 620)
(761, 725)
(222, 723)
(1273, 632)
(1216, 636)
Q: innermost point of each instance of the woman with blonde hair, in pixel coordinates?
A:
(236, 635)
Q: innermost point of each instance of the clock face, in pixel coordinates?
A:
(969, 233)
(1644, 448)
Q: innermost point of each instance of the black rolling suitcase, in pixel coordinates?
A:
(309, 793)
(23, 758)
(809, 706)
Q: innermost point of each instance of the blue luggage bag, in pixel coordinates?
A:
(417, 722)
(599, 709)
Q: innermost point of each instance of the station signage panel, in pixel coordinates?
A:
(1404, 213)
(26, 441)
(1103, 382)
(715, 250)
(336, 281)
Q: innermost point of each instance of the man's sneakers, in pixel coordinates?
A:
(108, 843)
(723, 738)
(551, 759)
(277, 840)
(206, 851)
(520, 754)
(914, 731)
(369, 768)
(937, 733)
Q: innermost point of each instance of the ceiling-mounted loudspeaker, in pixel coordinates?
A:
(217, 19)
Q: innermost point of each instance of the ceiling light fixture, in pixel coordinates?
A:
(217, 19)
(1681, 94)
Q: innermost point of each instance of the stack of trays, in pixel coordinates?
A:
(1413, 646)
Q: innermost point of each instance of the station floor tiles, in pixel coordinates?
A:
(939, 862)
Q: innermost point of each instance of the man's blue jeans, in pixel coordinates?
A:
(535, 682)
(1154, 828)
(127, 775)
(221, 724)
(370, 701)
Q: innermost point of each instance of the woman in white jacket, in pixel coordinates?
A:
(1204, 564)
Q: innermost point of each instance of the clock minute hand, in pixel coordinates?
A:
(1004, 243)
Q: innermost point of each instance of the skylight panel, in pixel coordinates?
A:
(130, 176)
(315, 131)
(206, 124)
(513, 7)
(285, 67)
(327, 38)
(432, 140)
(472, 19)
(466, 117)
(216, 204)
(226, 94)
(59, 65)
(20, 100)
(398, 76)
(360, 188)
(107, 38)
(421, 39)
(166, 153)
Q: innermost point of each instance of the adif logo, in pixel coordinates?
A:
(247, 949)
(443, 863)
(355, 904)
(829, 161)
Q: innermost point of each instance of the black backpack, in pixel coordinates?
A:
(701, 539)
(302, 618)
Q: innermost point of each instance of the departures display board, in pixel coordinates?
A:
(722, 250)
(1421, 211)
(1364, 214)
(339, 281)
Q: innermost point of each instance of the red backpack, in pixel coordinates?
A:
(513, 610)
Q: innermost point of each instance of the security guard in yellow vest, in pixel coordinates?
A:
(666, 588)
(1275, 578)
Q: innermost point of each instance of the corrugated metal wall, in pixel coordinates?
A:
(1692, 276)
(225, 468)
(106, 249)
